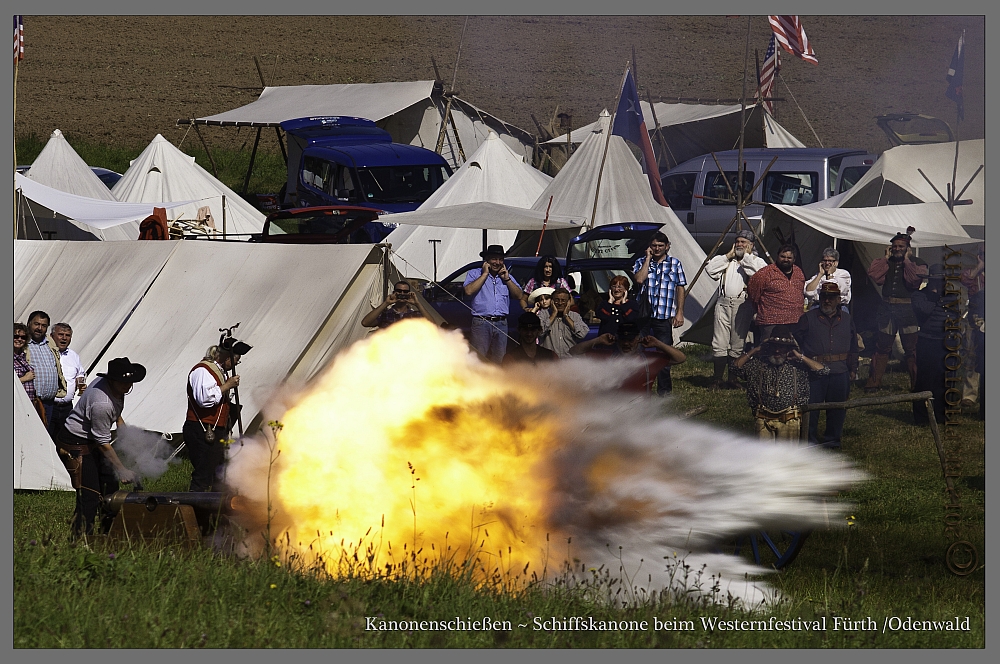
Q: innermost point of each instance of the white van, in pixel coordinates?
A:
(697, 192)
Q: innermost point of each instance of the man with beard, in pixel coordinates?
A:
(828, 335)
(733, 312)
(491, 288)
(43, 356)
(777, 292)
(897, 276)
(777, 384)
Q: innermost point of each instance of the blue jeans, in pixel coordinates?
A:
(664, 331)
(489, 338)
(832, 387)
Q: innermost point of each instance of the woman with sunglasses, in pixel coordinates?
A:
(24, 370)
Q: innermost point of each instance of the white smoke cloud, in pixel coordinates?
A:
(144, 452)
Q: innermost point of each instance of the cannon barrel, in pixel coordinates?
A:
(212, 502)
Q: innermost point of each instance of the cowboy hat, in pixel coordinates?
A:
(538, 292)
(493, 250)
(121, 369)
(829, 288)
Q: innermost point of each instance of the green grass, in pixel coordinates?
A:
(269, 171)
(890, 563)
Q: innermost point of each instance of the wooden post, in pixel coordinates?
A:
(211, 159)
(253, 158)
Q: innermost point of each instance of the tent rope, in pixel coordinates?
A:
(800, 109)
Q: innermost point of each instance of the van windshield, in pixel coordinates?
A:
(791, 188)
(401, 184)
(716, 191)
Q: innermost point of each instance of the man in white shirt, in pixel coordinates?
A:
(208, 422)
(829, 272)
(72, 371)
(733, 311)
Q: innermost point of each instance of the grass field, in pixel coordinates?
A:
(889, 562)
(269, 171)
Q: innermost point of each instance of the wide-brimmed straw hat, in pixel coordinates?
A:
(123, 370)
(538, 292)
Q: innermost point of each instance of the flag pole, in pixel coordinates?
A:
(958, 123)
(607, 142)
(16, 63)
(743, 119)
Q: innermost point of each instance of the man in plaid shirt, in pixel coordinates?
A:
(662, 278)
(777, 292)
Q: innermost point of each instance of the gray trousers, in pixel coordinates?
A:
(733, 316)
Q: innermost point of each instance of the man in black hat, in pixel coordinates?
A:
(210, 412)
(777, 382)
(898, 276)
(828, 335)
(491, 288)
(84, 442)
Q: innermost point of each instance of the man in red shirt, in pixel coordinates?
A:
(896, 276)
(777, 292)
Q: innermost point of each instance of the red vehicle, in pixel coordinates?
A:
(339, 224)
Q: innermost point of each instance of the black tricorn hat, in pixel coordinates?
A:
(493, 250)
(235, 346)
(125, 371)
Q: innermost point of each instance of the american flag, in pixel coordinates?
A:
(792, 36)
(769, 74)
(956, 76)
(18, 39)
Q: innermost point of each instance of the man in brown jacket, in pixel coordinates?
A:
(897, 276)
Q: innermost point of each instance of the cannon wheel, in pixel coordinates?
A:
(773, 548)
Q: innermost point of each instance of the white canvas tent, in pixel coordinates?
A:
(44, 212)
(494, 174)
(690, 130)
(895, 179)
(623, 197)
(296, 305)
(90, 285)
(410, 111)
(164, 173)
(60, 167)
(36, 462)
(869, 228)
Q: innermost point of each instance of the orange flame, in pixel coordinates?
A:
(410, 441)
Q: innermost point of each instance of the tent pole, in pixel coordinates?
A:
(604, 157)
(659, 133)
(253, 158)
(223, 216)
(211, 159)
(743, 118)
(277, 130)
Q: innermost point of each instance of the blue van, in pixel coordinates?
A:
(337, 160)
